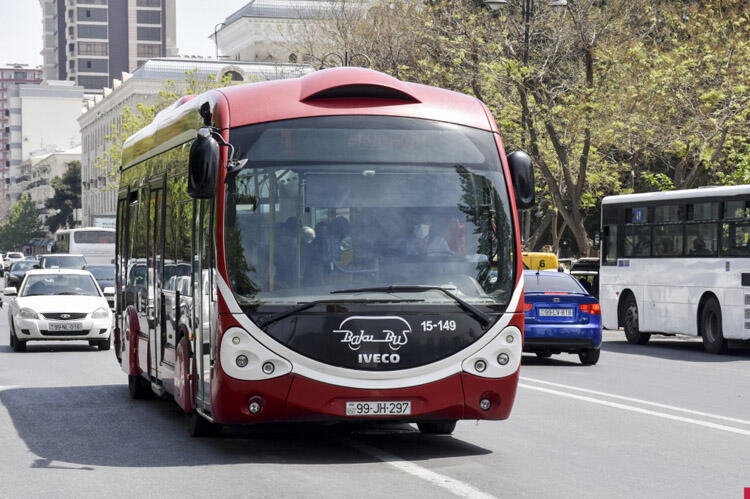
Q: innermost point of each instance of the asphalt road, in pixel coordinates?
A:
(661, 420)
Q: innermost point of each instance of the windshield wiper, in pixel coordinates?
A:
(310, 304)
(484, 319)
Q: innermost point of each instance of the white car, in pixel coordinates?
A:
(10, 257)
(58, 304)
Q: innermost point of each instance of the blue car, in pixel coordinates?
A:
(561, 316)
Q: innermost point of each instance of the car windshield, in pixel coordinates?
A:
(361, 206)
(102, 271)
(551, 282)
(59, 284)
(62, 262)
(23, 265)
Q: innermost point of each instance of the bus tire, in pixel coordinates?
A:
(589, 357)
(711, 327)
(630, 323)
(138, 387)
(437, 427)
(200, 427)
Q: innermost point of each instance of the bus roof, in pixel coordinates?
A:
(699, 193)
(334, 91)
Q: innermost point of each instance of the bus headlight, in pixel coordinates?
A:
(241, 361)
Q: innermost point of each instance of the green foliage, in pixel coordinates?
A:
(67, 197)
(133, 119)
(24, 224)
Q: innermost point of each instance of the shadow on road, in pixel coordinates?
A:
(677, 348)
(80, 427)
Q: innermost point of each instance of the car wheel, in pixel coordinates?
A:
(589, 357)
(630, 323)
(437, 427)
(103, 344)
(15, 343)
(711, 328)
(200, 427)
(139, 388)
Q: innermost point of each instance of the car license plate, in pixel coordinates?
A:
(65, 326)
(556, 312)
(385, 408)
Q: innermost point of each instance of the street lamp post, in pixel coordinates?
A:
(527, 13)
(346, 60)
(217, 28)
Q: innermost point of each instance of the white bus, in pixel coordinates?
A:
(677, 262)
(97, 244)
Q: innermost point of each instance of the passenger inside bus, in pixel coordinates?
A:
(699, 247)
(428, 238)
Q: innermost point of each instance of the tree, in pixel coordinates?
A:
(24, 224)
(66, 199)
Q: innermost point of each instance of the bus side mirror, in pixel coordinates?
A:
(522, 175)
(203, 165)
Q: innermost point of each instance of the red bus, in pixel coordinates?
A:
(337, 247)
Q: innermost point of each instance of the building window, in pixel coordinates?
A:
(148, 17)
(92, 48)
(149, 34)
(149, 50)
(92, 31)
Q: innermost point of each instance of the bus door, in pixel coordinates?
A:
(203, 310)
(155, 264)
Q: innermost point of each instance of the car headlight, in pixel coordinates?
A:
(100, 313)
(27, 313)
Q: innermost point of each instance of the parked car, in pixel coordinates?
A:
(561, 316)
(62, 261)
(104, 274)
(58, 304)
(17, 271)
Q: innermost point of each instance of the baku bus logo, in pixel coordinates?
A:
(358, 330)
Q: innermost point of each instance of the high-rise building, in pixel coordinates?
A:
(92, 42)
(16, 74)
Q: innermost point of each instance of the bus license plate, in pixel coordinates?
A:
(386, 408)
(556, 312)
(65, 326)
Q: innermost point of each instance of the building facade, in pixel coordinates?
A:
(92, 42)
(41, 116)
(10, 77)
(100, 178)
(284, 31)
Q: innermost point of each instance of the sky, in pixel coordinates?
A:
(21, 28)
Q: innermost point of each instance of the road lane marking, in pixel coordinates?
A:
(457, 487)
(649, 412)
(640, 401)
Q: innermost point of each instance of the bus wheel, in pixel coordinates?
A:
(711, 328)
(437, 427)
(200, 427)
(630, 323)
(589, 357)
(138, 387)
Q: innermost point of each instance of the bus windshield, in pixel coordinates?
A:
(355, 207)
